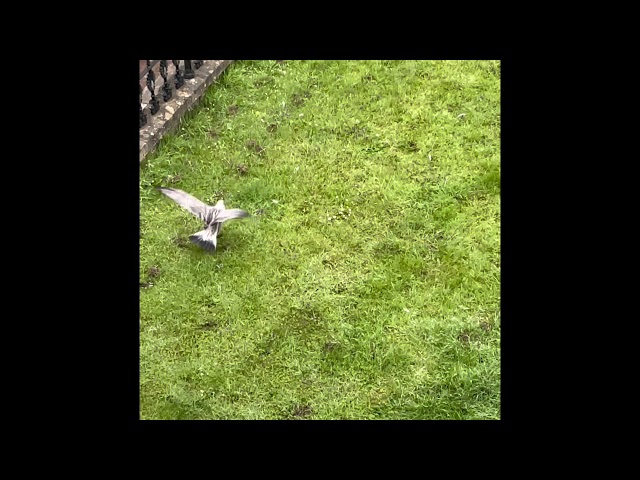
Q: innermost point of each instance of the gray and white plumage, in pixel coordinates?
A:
(213, 217)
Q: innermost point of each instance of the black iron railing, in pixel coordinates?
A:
(171, 74)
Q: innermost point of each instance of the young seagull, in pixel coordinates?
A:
(213, 217)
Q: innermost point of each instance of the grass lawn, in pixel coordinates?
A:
(366, 284)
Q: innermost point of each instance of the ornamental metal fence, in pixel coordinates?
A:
(172, 75)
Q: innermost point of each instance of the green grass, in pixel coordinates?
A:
(366, 284)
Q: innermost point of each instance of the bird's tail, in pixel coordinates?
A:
(207, 238)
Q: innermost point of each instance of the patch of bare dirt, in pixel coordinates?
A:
(486, 326)
(261, 82)
(153, 271)
(172, 179)
(298, 99)
(253, 145)
(301, 411)
(329, 346)
(181, 242)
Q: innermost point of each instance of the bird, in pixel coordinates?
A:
(212, 216)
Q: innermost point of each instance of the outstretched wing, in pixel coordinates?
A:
(224, 215)
(186, 201)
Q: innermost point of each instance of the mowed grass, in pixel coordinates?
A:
(366, 283)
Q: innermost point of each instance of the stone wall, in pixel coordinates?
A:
(167, 118)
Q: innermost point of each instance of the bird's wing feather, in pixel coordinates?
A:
(186, 201)
(224, 215)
